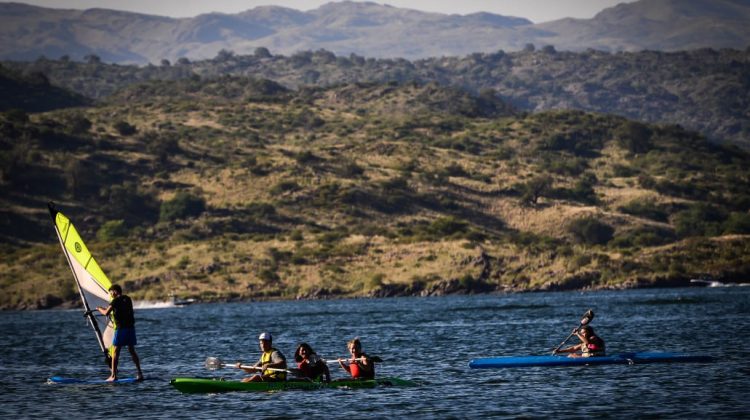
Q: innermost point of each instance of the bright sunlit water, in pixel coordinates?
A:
(430, 340)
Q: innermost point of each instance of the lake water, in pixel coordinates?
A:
(429, 340)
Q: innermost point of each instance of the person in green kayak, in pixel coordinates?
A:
(591, 344)
(272, 364)
(310, 365)
(360, 366)
(120, 310)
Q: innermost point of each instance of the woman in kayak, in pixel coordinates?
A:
(310, 365)
(591, 344)
(360, 366)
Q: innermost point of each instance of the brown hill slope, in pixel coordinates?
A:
(237, 188)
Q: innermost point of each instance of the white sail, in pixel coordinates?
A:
(93, 284)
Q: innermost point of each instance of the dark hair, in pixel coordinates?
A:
(588, 329)
(116, 287)
(298, 356)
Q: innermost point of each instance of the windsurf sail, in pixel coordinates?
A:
(93, 284)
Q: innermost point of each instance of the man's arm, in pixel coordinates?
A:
(277, 361)
(104, 311)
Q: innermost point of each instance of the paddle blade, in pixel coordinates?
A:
(214, 363)
(587, 317)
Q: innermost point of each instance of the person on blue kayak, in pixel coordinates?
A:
(360, 365)
(310, 365)
(272, 364)
(591, 344)
(120, 310)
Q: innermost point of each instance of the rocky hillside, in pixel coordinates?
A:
(240, 188)
(363, 28)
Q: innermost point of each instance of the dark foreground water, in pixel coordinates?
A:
(427, 339)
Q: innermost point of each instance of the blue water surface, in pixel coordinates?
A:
(429, 340)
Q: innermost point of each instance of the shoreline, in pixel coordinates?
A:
(396, 291)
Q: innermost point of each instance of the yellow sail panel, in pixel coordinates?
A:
(77, 249)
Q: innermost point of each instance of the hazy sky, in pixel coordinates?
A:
(534, 10)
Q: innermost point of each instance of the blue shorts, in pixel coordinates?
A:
(124, 337)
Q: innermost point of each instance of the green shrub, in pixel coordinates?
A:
(182, 206)
(124, 128)
(183, 262)
(261, 210)
(269, 276)
(535, 188)
(112, 229)
(622, 171)
(579, 261)
(648, 209)
(643, 237)
(129, 203)
(737, 223)
(284, 186)
(446, 226)
(634, 137)
(375, 281)
(699, 220)
(590, 231)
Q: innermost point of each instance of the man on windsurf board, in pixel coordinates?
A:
(120, 310)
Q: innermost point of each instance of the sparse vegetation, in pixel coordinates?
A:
(239, 188)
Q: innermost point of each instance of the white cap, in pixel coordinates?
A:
(265, 336)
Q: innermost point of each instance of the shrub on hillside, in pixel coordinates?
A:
(129, 203)
(535, 188)
(284, 186)
(447, 226)
(699, 220)
(182, 206)
(737, 223)
(648, 209)
(582, 192)
(590, 231)
(643, 237)
(124, 128)
(112, 229)
(161, 144)
(634, 137)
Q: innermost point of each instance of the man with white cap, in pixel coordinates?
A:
(272, 363)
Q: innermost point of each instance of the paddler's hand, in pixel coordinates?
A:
(264, 366)
(237, 365)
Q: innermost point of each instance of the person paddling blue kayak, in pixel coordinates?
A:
(590, 345)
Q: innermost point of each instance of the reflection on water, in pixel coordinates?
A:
(427, 339)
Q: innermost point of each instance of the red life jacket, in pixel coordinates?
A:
(595, 347)
(360, 371)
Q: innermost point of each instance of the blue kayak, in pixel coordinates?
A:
(563, 360)
(75, 381)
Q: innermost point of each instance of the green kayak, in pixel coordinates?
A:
(211, 385)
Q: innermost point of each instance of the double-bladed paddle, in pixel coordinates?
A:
(214, 363)
(375, 359)
(587, 317)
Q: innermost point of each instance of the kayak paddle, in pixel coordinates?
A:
(375, 359)
(587, 317)
(214, 363)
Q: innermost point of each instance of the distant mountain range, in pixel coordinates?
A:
(370, 29)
